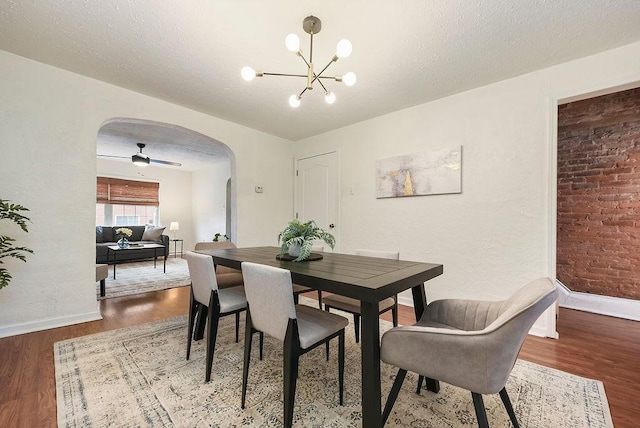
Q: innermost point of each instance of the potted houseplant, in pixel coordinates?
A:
(219, 237)
(297, 239)
(11, 212)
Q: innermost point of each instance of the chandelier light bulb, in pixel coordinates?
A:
(294, 101)
(248, 73)
(349, 79)
(292, 42)
(344, 48)
(330, 97)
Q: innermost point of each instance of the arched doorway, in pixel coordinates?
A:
(200, 194)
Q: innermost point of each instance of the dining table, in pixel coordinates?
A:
(367, 279)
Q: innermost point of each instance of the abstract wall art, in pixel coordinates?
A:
(432, 172)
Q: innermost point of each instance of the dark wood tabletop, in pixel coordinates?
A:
(368, 279)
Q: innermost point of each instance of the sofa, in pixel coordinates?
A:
(106, 236)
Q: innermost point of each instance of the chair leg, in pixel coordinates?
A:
(356, 325)
(481, 413)
(507, 404)
(393, 395)
(193, 307)
(420, 380)
(247, 356)
(261, 344)
(291, 355)
(212, 334)
(237, 327)
(340, 365)
(320, 299)
(296, 299)
(326, 308)
(201, 323)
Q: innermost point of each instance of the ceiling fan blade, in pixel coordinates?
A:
(165, 162)
(114, 156)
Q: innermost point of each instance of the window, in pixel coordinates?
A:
(126, 202)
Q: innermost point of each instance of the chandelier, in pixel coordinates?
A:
(311, 25)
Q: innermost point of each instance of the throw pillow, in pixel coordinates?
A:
(99, 237)
(152, 233)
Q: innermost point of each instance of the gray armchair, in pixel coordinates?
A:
(468, 343)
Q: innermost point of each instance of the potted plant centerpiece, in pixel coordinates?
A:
(297, 239)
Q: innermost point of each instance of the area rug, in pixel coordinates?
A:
(141, 277)
(139, 376)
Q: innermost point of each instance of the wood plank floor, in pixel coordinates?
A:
(592, 346)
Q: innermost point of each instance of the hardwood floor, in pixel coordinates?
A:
(592, 346)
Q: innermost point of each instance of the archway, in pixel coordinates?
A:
(207, 166)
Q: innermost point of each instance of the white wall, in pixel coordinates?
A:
(49, 120)
(209, 201)
(174, 195)
(498, 233)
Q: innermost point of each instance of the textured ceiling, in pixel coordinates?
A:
(405, 52)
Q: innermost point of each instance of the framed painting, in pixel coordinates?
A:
(433, 172)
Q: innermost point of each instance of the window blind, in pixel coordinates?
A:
(127, 192)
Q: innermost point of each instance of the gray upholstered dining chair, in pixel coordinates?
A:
(215, 303)
(472, 344)
(300, 289)
(352, 306)
(301, 328)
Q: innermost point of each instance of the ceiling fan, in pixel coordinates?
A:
(142, 159)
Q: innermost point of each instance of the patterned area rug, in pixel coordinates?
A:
(141, 277)
(139, 376)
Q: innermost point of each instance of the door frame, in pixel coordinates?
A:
(612, 306)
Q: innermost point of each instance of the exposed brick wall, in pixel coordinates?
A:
(598, 248)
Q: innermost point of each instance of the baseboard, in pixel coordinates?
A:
(46, 324)
(603, 305)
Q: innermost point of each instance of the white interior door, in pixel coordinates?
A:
(317, 192)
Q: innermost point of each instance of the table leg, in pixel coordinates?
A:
(114, 261)
(370, 349)
(419, 304)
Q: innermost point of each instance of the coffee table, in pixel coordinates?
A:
(114, 249)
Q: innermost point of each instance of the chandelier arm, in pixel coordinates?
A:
(325, 67)
(319, 76)
(303, 58)
(316, 78)
(285, 74)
